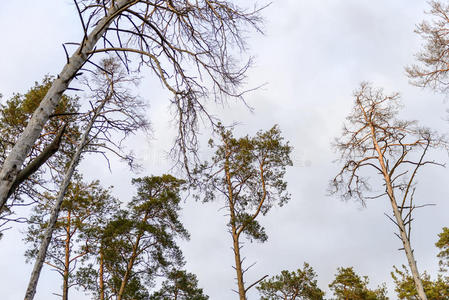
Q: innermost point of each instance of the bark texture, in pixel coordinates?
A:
(238, 266)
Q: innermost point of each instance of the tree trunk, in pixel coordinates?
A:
(408, 250)
(101, 275)
(131, 261)
(127, 274)
(238, 266)
(400, 223)
(235, 233)
(65, 285)
(36, 163)
(40, 258)
(21, 149)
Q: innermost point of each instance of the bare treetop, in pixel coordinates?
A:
(374, 136)
(189, 45)
(186, 44)
(123, 113)
(172, 36)
(375, 139)
(432, 70)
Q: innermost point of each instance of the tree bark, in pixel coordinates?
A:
(238, 266)
(36, 163)
(21, 149)
(399, 221)
(235, 233)
(131, 261)
(101, 275)
(40, 258)
(408, 250)
(65, 285)
(129, 267)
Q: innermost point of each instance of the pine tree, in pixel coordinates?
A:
(83, 206)
(248, 173)
(347, 285)
(295, 285)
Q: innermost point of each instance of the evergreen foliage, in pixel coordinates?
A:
(299, 285)
(179, 285)
(443, 245)
(348, 285)
(405, 289)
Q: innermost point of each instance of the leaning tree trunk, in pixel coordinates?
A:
(399, 221)
(408, 249)
(40, 258)
(21, 149)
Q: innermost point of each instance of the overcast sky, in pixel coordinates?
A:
(312, 56)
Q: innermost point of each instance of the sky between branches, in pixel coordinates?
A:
(312, 57)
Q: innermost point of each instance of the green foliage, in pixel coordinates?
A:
(135, 289)
(84, 206)
(138, 241)
(347, 285)
(16, 112)
(14, 116)
(405, 287)
(291, 285)
(249, 173)
(375, 142)
(179, 285)
(443, 245)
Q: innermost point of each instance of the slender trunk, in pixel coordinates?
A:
(22, 147)
(32, 284)
(101, 275)
(130, 264)
(235, 234)
(295, 294)
(408, 250)
(238, 265)
(65, 286)
(400, 222)
(125, 279)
